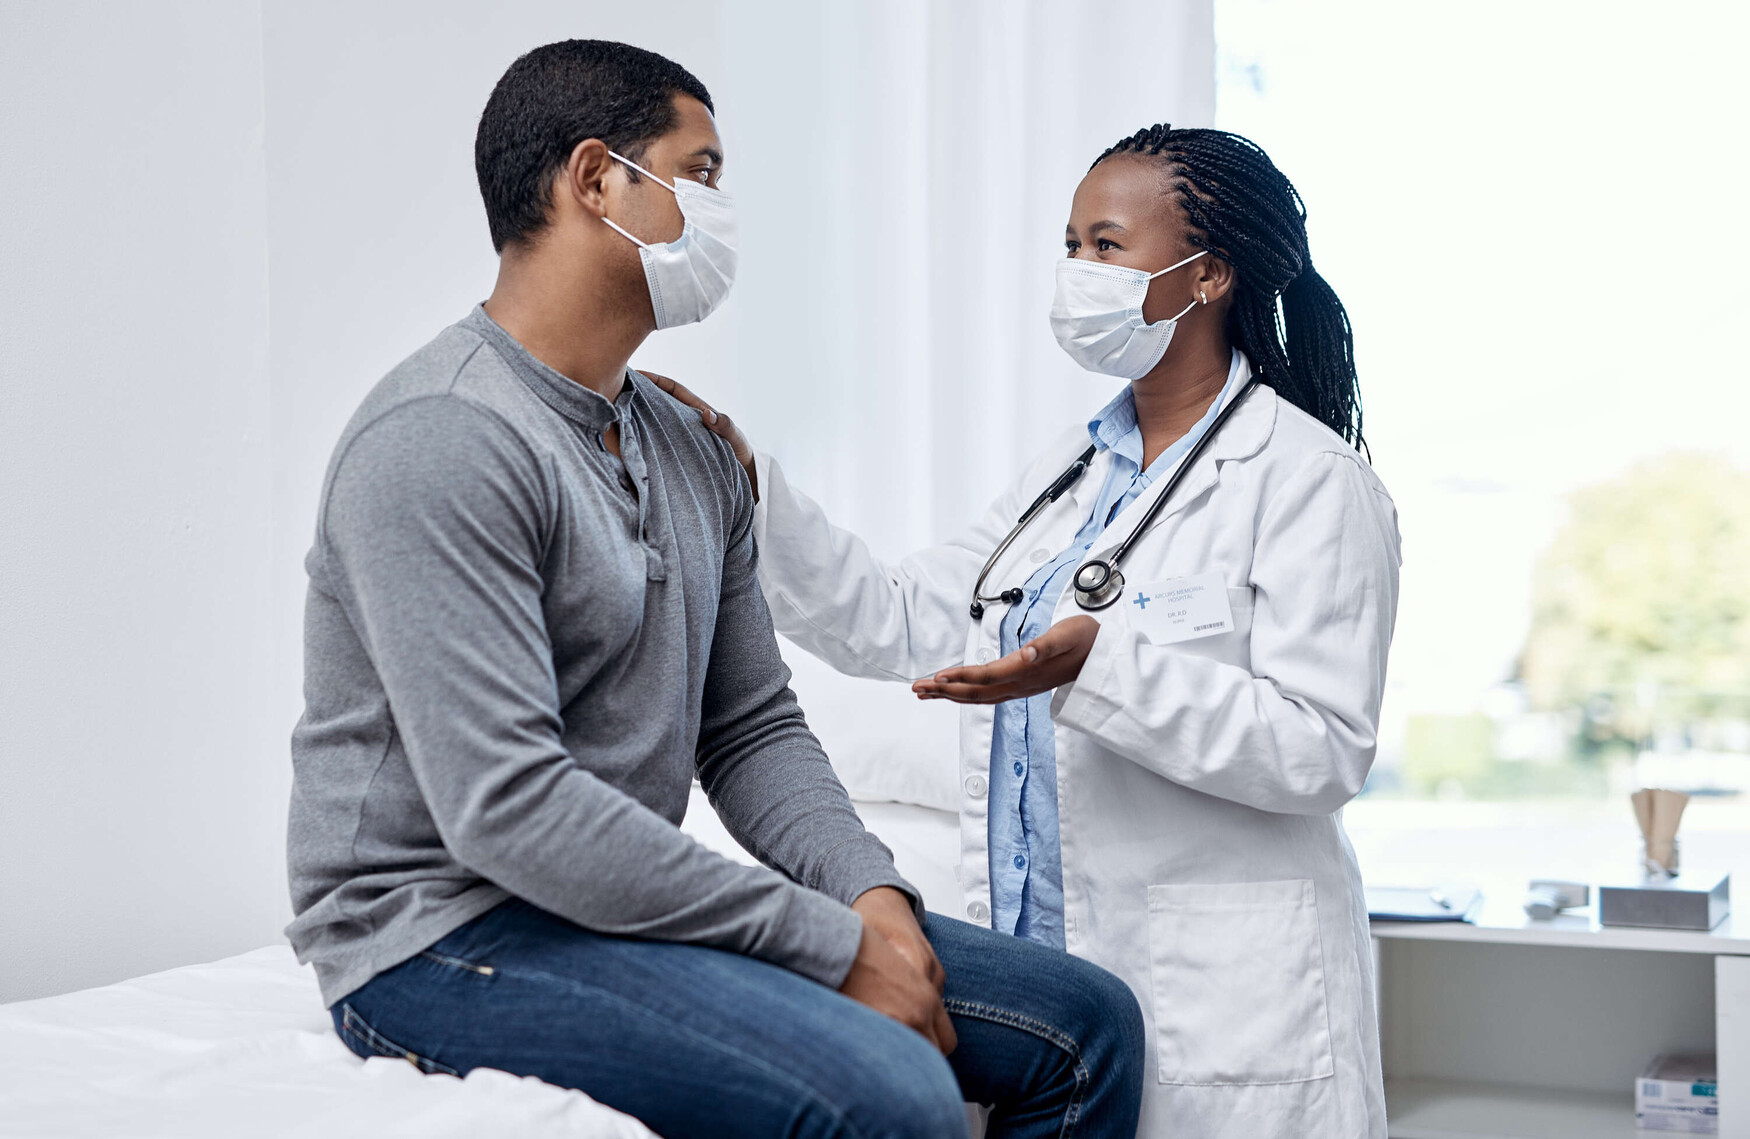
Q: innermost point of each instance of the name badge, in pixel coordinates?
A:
(1180, 608)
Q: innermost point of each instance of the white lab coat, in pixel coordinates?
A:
(1199, 784)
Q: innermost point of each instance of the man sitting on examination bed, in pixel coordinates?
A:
(532, 619)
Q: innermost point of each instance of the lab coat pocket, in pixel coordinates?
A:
(1239, 983)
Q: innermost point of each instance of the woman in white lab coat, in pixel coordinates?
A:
(1156, 786)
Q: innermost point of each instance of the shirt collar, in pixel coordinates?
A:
(566, 396)
(1114, 426)
(1244, 435)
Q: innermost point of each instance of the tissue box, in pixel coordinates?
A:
(1692, 900)
(1679, 1093)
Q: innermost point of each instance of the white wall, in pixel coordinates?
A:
(903, 171)
(378, 237)
(141, 782)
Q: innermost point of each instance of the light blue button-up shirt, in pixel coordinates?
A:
(1026, 863)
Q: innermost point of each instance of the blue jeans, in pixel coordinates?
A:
(702, 1042)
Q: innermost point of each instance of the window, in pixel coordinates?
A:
(1534, 215)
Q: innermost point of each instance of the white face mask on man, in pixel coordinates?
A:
(1097, 317)
(689, 276)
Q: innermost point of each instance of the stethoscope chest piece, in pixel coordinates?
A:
(1098, 584)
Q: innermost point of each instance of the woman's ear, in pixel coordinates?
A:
(1212, 280)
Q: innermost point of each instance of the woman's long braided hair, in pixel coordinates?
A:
(1284, 316)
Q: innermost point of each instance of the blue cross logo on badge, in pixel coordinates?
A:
(1141, 602)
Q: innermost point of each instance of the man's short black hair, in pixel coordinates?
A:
(556, 97)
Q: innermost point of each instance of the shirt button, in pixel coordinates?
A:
(978, 912)
(1040, 556)
(983, 656)
(976, 785)
(1020, 862)
(1018, 768)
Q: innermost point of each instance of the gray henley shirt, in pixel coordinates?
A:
(519, 651)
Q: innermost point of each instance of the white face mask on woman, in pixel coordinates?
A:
(1097, 316)
(689, 276)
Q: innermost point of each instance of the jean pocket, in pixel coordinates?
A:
(365, 1041)
(1238, 973)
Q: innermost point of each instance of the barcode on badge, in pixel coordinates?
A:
(1205, 628)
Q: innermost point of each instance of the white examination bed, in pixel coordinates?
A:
(243, 1046)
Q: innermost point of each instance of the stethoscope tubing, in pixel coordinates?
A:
(1098, 592)
(1049, 495)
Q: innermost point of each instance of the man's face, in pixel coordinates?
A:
(690, 151)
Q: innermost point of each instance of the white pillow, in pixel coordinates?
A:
(886, 745)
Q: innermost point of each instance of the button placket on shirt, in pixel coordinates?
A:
(633, 457)
(1019, 841)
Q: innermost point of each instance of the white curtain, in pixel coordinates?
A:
(904, 172)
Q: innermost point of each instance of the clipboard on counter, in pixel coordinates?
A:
(1422, 903)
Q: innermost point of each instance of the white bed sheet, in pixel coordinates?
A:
(243, 1046)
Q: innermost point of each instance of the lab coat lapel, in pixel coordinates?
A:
(1241, 437)
(1056, 526)
(1086, 491)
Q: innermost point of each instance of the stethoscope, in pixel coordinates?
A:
(1098, 583)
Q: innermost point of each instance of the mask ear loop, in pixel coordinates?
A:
(659, 181)
(1169, 269)
(617, 227)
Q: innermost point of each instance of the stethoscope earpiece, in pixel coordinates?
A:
(1007, 597)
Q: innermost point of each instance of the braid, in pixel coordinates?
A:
(1285, 317)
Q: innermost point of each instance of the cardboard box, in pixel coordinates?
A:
(1679, 1093)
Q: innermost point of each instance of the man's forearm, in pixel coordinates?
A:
(783, 802)
(583, 850)
(765, 772)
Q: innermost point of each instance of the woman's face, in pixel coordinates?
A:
(1124, 214)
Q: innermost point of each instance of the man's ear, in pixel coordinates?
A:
(585, 172)
(1212, 279)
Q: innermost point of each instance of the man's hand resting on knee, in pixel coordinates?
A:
(896, 972)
